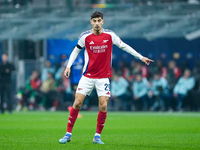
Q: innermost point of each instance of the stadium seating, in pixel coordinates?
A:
(146, 20)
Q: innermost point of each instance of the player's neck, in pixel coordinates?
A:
(97, 32)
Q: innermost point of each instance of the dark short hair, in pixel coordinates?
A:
(97, 14)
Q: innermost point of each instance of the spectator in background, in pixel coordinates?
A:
(133, 67)
(173, 75)
(118, 91)
(63, 60)
(47, 91)
(123, 70)
(64, 91)
(183, 86)
(58, 74)
(173, 69)
(159, 67)
(46, 69)
(140, 90)
(132, 70)
(6, 69)
(76, 71)
(159, 93)
(195, 93)
(28, 94)
(143, 69)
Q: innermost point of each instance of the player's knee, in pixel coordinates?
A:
(77, 104)
(103, 106)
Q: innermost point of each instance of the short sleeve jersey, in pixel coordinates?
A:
(98, 53)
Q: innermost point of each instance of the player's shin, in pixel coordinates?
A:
(101, 121)
(72, 118)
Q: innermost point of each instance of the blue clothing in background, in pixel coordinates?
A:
(77, 70)
(184, 85)
(119, 88)
(45, 72)
(140, 89)
(59, 73)
(160, 85)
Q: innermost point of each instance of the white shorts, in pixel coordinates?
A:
(86, 85)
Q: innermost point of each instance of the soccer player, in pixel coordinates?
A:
(98, 44)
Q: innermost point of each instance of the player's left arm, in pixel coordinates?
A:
(117, 41)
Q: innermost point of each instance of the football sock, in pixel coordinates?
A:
(68, 133)
(101, 121)
(97, 134)
(72, 118)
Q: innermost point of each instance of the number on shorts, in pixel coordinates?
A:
(107, 87)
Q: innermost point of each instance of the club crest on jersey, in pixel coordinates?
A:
(105, 41)
(91, 42)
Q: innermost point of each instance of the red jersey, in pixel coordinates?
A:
(98, 52)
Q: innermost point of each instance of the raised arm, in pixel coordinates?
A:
(117, 41)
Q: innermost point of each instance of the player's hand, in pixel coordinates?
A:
(146, 60)
(67, 72)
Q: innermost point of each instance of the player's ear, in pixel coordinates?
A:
(91, 21)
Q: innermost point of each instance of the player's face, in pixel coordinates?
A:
(97, 23)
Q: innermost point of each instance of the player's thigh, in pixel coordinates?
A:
(85, 86)
(103, 87)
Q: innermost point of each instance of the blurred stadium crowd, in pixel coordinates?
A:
(19, 3)
(134, 87)
(30, 31)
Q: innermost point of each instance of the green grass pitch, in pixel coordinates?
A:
(123, 131)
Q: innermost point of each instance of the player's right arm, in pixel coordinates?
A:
(73, 56)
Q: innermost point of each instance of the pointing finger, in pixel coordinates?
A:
(150, 60)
